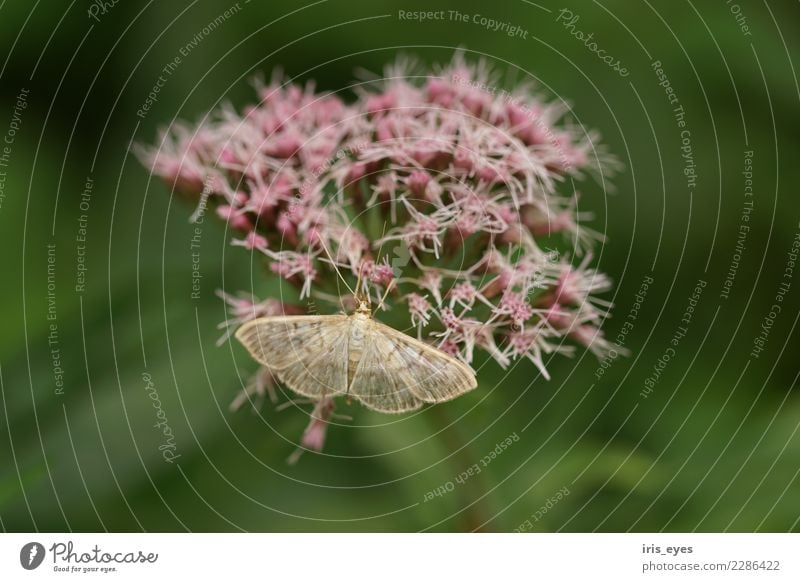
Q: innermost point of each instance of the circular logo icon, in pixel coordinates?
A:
(31, 555)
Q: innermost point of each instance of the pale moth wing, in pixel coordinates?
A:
(377, 383)
(308, 353)
(398, 373)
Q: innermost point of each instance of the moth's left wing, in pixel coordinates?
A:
(308, 353)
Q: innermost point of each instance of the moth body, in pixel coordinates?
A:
(355, 348)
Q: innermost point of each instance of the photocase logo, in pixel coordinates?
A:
(401, 259)
(31, 555)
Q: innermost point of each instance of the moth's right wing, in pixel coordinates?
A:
(380, 381)
(397, 373)
(308, 353)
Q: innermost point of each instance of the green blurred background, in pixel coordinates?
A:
(715, 446)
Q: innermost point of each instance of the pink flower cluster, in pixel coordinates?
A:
(439, 183)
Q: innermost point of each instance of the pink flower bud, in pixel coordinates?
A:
(419, 309)
(236, 218)
(439, 91)
(255, 241)
(417, 181)
(284, 146)
(449, 347)
(558, 317)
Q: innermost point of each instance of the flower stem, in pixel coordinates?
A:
(474, 512)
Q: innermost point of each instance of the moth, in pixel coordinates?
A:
(356, 356)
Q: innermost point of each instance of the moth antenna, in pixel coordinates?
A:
(377, 258)
(358, 281)
(385, 295)
(382, 239)
(335, 268)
